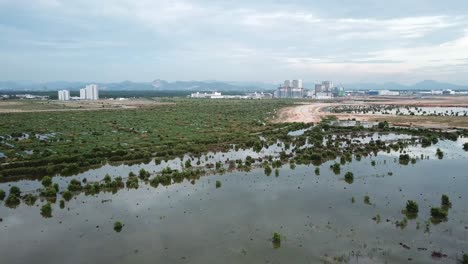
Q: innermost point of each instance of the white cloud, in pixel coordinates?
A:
(211, 34)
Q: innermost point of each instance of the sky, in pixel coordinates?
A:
(346, 41)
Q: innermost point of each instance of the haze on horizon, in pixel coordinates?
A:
(348, 41)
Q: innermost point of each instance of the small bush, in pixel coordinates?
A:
(132, 182)
(438, 213)
(143, 174)
(46, 210)
(30, 199)
(118, 226)
(75, 185)
(267, 170)
(218, 184)
(276, 239)
(67, 195)
(366, 199)
(412, 208)
(349, 177)
(49, 192)
(439, 153)
(46, 181)
(336, 168)
(2, 195)
(15, 191)
(107, 179)
(12, 200)
(446, 201)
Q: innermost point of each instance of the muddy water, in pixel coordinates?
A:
(185, 223)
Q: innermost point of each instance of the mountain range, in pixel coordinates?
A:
(424, 85)
(161, 85)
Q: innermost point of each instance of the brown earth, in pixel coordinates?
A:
(315, 111)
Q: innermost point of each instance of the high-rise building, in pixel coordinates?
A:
(295, 84)
(319, 88)
(290, 89)
(83, 94)
(64, 95)
(327, 85)
(90, 92)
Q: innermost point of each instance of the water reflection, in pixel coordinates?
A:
(200, 223)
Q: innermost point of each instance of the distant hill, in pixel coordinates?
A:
(162, 85)
(424, 85)
(156, 85)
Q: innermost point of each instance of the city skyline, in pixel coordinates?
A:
(105, 41)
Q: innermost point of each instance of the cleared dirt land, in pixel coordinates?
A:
(315, 111)
(51, 106)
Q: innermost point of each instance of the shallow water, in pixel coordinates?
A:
(393, 110)
(185, 223)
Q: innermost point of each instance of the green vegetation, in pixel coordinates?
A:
(267, 170)
(67, 195)
(367, 200)
(132, 182)
(13, 199)
(14, 190)
(349, 177)
(276, 240)
(465, 147)
(402, 224)
(30, 199)
(439, 153)
(383, 125)
(335, 168)
(46, 210)
(218, 184)
(317, 171)
(438, 214)
(445, 201)
(142, 174)
(62, 204)
(188, 164)
(2, 195)
(157, 131)
(404, 159)
(465, 259)
(412, 209)
(49, 192)
(118, 226)
(74, 185)
(46, 181)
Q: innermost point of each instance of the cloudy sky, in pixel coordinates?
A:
(236, 40)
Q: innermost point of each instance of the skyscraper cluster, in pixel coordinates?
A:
(90, 92)
(290, 89)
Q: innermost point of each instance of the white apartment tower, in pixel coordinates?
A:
(90, 92)
(64, 95)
